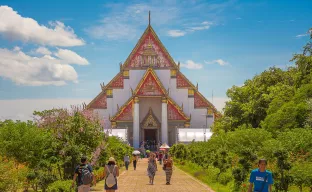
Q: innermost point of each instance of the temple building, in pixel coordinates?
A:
(150, 96)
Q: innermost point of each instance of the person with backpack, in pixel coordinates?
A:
(261, 179)
(111, 172)
(168, 164)
(83, 176)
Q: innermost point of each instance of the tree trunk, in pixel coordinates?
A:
(59, 171)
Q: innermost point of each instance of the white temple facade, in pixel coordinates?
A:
(150, 97)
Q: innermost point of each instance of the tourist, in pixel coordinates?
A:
(160, 158)
(151, 168)
(127, 161)
(165, 155)
(261, 179)
(111, 172)
(168, 164)
(134, 160)
(83, 174)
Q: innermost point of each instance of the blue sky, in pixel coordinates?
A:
(219, 43)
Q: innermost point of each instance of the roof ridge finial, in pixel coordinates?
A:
(149, 18)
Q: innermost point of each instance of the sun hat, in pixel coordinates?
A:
(111, 159)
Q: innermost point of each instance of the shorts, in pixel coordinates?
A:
(84, 188)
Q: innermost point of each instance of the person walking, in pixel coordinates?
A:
(160, 158)
(168, 164)
(83, 176)
(111, 172)
(134, 160)
(127, 161)
(261, 180)
(151, 168)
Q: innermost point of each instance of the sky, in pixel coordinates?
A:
(56, 53)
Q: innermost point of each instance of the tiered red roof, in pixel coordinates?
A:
(201, 102)
(100, 102)
(182, 81)
(117, 82)
(174, 112)
(125, 113)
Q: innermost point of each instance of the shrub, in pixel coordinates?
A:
(60, 186)
(225, 177)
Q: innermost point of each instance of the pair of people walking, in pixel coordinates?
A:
(152, 168)
(84, 176)
(135, 159)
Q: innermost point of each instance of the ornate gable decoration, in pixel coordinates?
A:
(149, 52)
(150, 85)
(182, 82)
(175, 113)
(117, 82)
(100, 102)
(125, 113)
(150, 121)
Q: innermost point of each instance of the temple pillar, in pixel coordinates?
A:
(164, 121)
(136, 124)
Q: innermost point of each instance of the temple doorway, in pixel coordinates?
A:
(150, 135)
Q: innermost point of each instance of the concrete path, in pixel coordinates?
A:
(138, 181)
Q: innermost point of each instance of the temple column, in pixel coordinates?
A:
(136, 124)
(164, 121)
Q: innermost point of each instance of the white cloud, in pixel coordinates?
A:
(218, 61)
(35, 71)
(191, 65)
(43, 51)
(16, 48)
(125, 22)
(176, 33)
(194, 27)
(302, 35)
(15, 27)
(71, 57)
(203, 26)
(198, 28)
(112, 29)
(22, 109)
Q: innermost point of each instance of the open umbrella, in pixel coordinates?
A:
(164, 146)
(136, 152)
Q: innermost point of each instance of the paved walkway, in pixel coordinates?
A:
(138, 181)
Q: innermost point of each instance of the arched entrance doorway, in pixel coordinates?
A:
(150, 130)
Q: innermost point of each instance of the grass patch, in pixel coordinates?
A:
(208, 176)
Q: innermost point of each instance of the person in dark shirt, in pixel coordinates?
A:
(78, 176)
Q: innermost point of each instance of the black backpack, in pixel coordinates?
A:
(86, 175)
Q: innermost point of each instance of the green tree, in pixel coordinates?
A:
(76, 132)
(301, 174)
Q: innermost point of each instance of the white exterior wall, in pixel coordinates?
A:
(146, 103)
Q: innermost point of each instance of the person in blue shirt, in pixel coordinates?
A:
(261, 180)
